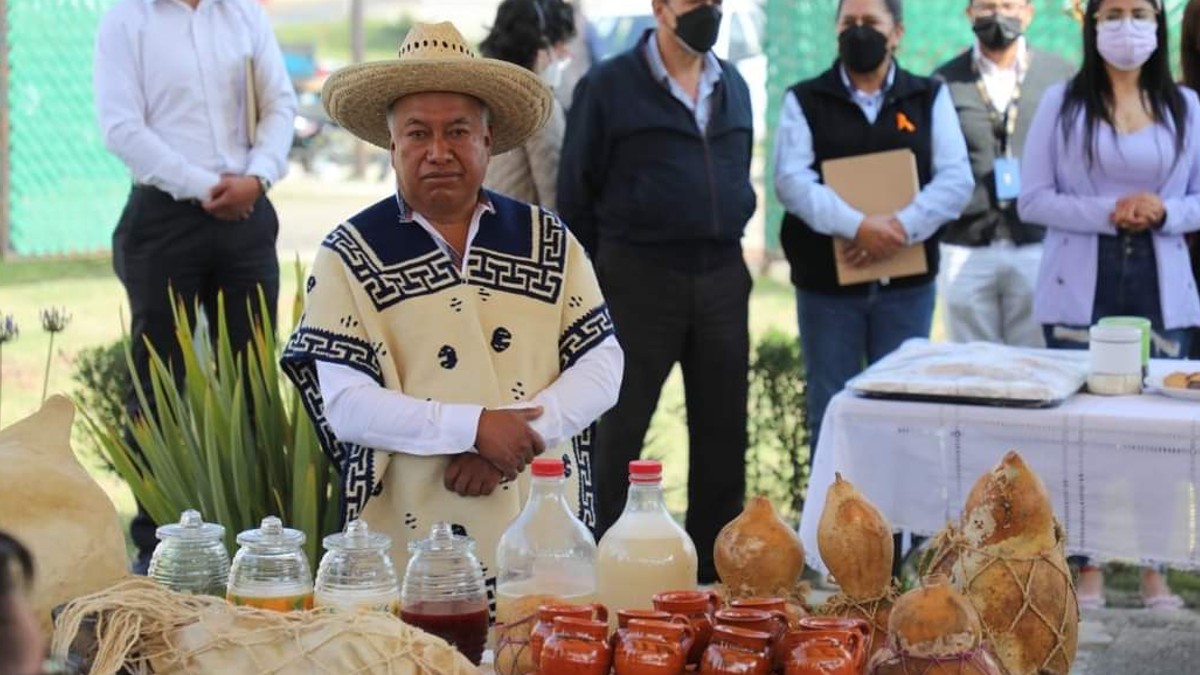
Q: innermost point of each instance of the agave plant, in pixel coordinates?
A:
(233, 442)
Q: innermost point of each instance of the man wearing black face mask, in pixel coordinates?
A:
(991, 258)
(654, 180)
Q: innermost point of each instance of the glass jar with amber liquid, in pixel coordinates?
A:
(270, 571)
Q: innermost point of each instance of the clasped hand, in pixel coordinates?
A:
(878, 238)
(233, 197)
(505, 444)
(1138, 212)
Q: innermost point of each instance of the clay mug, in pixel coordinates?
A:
(653, 648)
(576, 647)
(698, 607)
(624, 616)
(774, 624)
(773, 604)
(854, 634)
(546, 614)
(811, 654)
(736, 651)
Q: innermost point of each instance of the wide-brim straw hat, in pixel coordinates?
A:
(436, 58)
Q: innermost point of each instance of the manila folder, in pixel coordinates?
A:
(875, 184)
(251, 100)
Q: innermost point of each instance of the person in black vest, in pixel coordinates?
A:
(865, 103)
(654, 180)
(990, 257)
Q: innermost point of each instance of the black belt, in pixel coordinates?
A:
(145, 187)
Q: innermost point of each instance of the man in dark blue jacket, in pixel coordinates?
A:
(655, 181)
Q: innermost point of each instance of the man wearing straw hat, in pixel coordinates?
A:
(450, 333)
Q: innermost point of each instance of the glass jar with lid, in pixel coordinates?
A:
(444, 592)
(356, 572)
(191, 556)
(270, 570)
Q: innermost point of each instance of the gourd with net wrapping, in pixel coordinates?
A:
(1007, 556)
(934, 630)
(855, 542)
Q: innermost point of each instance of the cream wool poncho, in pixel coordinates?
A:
(385, 300)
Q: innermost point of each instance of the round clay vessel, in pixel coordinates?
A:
(624, 616)
(698, 607)
(576, 647)
(820, 655)
(546, 615)
(736, 651)
(771, 604)
(773, 623)
(852, 633)
(653, 648)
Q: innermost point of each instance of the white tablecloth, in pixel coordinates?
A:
(1122, 472)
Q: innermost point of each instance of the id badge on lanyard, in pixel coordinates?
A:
(1006, 169)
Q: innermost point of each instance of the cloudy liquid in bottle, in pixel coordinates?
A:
(645, 552)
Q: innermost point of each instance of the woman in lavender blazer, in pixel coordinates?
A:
(1112, 169)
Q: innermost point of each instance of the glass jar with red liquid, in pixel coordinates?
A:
(443, 591)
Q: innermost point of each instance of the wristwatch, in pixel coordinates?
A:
(264, 184)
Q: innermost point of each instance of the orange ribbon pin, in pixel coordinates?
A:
(905, 124)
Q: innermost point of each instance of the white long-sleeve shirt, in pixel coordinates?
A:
(362, 412)
(999, 81)
(170, 86)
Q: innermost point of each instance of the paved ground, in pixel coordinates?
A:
(1139, 642)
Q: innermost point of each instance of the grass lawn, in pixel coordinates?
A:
(332, 39)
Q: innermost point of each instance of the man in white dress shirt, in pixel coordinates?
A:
(171, 83)
(450, 333)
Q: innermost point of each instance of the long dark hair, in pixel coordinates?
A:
(1091, 89)
(1189, 45)
(524, 27)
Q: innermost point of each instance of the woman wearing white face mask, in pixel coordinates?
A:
(532, 34)
(1112, 169)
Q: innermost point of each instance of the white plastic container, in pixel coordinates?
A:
(1116, 361)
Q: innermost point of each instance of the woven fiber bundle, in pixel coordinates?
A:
(147, 629)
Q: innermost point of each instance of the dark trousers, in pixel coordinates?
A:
(699, 320)
(162, 244)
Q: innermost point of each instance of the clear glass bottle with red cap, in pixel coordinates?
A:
(546, 550)
(645, 552)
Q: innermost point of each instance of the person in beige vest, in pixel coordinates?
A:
(450, 333)
(532, 34)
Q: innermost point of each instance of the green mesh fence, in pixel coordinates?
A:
(66, 190)
(802, 42)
